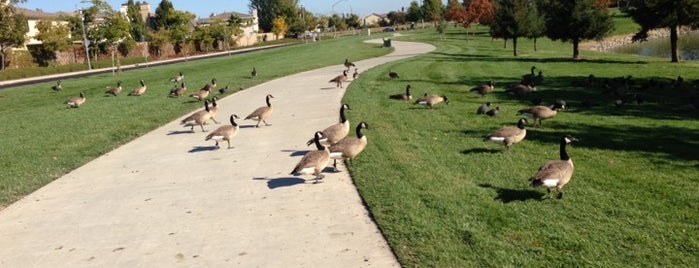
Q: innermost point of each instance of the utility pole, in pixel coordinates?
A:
(86, 43)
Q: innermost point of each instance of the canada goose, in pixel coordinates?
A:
(223, 90)
(431, 100)
(560, 103)
(177, 78)
(538, 79)
(508, 135)
(75, 102)
(348, 64)
(355, 74)
(204, 91)
(139, 90)
(57, 86)
(483, 108)
(339, 79)
(349, 147)
(337, 131)
(403, 96)
(556, 173)
(393, 75)
(178, 91)
(253, 74)
(540, 112)
(521, 89)
(198, 118)
(224, 133)
(261, 114)
(530, 75)
(213, 110)
(314, 162)
(114, 90)
(493, 112)
(484, 88)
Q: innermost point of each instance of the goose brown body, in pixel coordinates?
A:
(213, 110)
(139, 90)
(179, 91)
(349, 147)
(261, 114)
(75, 102)
(339, 79)
(57, 86)
(540, 112)
(521, 89)
(509, 135)
(198, 118)
(556, 173)
(314, 162)
(484, 88)
(225, 133)
(177, 78)
(430, 100)
(335, 132)
(114, 90)
(205, 90)
(348, 64)
(403, 96)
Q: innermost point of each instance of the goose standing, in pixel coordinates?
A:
(393, 75)
(139, 90)
(349, 147)
(205, 90)
(508, 135)
(337, 131)
(253, 73)
(431, 100)
(556, 173)
(75, 102)
(541, 112)
(355, 74)
(198, 118)
(114, 90)
(261, 114)
(314, 162)
(224, 133)
(339, 79)
(403, 96)
(348, 64)
(213, 110)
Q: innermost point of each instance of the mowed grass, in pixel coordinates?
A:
(445, 198)
(42, 139)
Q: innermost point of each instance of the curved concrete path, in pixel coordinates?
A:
(170, 199)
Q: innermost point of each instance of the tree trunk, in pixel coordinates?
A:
(576, 51)
(505, 43)
(535, 49)
(673, 44)
(2, 67)
(514, 46)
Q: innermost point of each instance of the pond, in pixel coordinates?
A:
(688, 44)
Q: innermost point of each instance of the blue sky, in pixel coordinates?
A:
(202, 8)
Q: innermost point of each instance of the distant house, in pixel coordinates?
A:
(33, 18)
(249, 26)
(373, 19)
(143, 10)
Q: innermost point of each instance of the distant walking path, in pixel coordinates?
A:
(170, 199)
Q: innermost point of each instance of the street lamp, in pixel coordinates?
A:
(86, 43)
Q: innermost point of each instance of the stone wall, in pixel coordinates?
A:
(611, 42)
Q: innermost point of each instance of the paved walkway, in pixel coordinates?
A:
(170, 199)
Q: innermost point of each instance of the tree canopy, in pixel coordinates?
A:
(516, 18)
(269, 10)
(576, 20)
(13, 27)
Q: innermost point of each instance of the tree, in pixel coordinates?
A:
(396, 17)
(269, 10)
(279, 26)
(179, 28)
(53, 36)
(138, 26)
(514, 19)
(574, 21)
(352, 21)
(455, 12)
(414, 13)
(163, 15)
(479, 11)
(432, 9)
(337, 23)
(202, 38)
(664, 14)
(13, 28)
(157, 39)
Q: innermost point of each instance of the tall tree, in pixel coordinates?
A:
(575, 21)
(479, 11)
(179, 28)
(414, 13)
(280, 27)
(269, 10)
(53, 36)
(665, 14)
(514, 19)
(455, 12)
(432, 9)
(163, 15)
(13, 27)
(138, 26)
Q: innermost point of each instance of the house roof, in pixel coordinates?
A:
(223, 16)
(37, 14)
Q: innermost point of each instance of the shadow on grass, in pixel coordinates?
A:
(442, 56)
(509, 195)
(197, 149)
(274, 183)
(481, 151)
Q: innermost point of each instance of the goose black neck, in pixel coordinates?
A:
(359, 131)
(564, 154)
(343, 118)
(520, 124)
(407, 90)
(233, 123)
(268, 104)
(319, 146)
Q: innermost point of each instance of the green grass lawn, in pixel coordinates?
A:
(42, 139)
(442, 196)
(445, 198)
